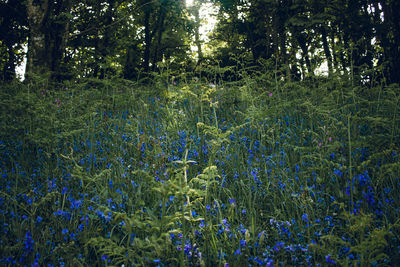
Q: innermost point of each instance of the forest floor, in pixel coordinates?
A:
(254, 172)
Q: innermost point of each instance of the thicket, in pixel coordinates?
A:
(259, 171)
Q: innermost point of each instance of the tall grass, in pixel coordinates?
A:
(259, 171)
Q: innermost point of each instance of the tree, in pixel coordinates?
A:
(388, 33)
(124, 38)
(49, 23)
(13, 25)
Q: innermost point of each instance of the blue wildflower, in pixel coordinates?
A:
(329, 259)
(304, 217)
(28, 243)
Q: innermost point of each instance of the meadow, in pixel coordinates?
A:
(197, 172)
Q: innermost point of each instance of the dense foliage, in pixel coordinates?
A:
(131, 38)
(299, 35)
(261, 172)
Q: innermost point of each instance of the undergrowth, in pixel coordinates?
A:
(258, 171)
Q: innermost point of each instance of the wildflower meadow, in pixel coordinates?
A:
(201, 172)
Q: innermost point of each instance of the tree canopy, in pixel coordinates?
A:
(129, 38)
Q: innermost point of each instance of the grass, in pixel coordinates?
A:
(256, 172)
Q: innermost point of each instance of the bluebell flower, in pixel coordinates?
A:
(304, 217)
(76, 204)
(187, 248)
(329, 259)
(338, 172)
(28, 243)
(64, 190)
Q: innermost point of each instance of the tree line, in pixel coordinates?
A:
(129, 38)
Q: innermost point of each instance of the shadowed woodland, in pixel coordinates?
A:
(130, 136)
(129, 39)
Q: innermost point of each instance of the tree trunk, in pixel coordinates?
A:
(275, 38)
(48, 33)
(38, 57)
(327, 52)
(345, 47)
(301, 39)
(282, 14)
(147, 40)
(197, 33)
(335, 59)
(59, 38)
(131, 62)
(390, 40)
(160, 30)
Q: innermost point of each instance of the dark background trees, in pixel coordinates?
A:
(348, 36)
(13, 34)
(126, 38)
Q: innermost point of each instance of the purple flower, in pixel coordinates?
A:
(28, 243)
(329, 259)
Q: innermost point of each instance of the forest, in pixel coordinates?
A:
(199, 133)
